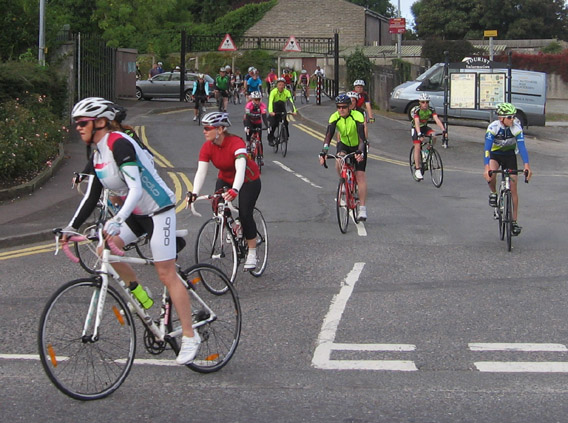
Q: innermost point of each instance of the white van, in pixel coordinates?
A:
(528, 95)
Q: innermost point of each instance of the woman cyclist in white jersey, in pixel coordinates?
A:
(120, 164)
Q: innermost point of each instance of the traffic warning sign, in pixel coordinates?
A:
(292, 45)
(227, 44)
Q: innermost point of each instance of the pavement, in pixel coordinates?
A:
(30, 217)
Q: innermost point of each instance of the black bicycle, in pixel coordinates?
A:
(281, 135)
(431, 160)
(504, 210)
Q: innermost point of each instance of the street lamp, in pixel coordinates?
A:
(41, 50)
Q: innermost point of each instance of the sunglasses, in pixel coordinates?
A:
(256, 99)
(342, 107)
(509, 117)
(83, 122)
(209, 128)
(424, 102)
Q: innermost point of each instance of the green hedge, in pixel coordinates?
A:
(32, 102)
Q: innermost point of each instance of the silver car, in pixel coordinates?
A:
(167, 84)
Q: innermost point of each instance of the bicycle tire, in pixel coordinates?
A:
(86, 251)
(220, 336)
(501, 219)
(79, 367)
(284, 141)
(276, 139)
(436, 168)
(342, 206)
(508, 219)
(258, 155)
(261, 243)
(355, 202)
(210, 249)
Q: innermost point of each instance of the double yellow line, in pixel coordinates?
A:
(181, 183)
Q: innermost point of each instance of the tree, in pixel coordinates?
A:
(513, 19)
(384, 7)
(358, 67)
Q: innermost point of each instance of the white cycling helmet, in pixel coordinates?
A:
(216, 119)
(424, 97)
(280, 80)
(352, 94)
(251, 68)
(256, 94)
(96, 107)
(359, 82)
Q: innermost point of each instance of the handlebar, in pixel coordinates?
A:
(78, 237)
(510, 172)
(216, 197)
(337, 157)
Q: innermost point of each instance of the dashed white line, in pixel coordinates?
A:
(525, 347)
(293, 172)
(522, 367)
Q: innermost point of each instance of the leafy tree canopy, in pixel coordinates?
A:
(384, 7)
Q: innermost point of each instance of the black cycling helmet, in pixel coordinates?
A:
(120, 113)
(342, 99)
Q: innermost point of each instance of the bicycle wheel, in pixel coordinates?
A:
(79, 366)
(342, 206)
(354, 200)
(276, 139)
(412, 164)
(86, 251)
(436, 168)
(258, 155)
(261, 243)
(508, 218)
(211, 249)
(500, 217)
(216, 317)
(284, 140)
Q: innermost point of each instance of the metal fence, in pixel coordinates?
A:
(95, 68)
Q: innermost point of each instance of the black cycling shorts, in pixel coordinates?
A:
(505, 160)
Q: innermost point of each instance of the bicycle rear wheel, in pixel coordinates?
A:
(217, 247)
(261, 243)
(342, 206)
(436, 168)
(79, 366)
(276, 139)
(508, 219)
(216, 317)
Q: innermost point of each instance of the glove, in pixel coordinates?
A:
(231, 194)
(371, 120)
(247, 130)
(190, 198)
(112, 226)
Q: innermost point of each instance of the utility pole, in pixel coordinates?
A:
(41, 49)
(399, 36)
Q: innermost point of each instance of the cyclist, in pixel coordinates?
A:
(119, 164)
(255, 114)
(222, 84)
(349, 123)
(254, 83)
(237, 80)
(270, 79)
(421, 114)
(363, 103)
(503, 137)
(354, 97)
(200, 93)
(277, 107)
(227, 152)
(305, 83)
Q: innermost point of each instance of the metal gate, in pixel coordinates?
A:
(95, 66)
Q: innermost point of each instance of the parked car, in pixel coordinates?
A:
(167, 84)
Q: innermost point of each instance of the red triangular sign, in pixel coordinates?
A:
(292, 45)
(227, 44)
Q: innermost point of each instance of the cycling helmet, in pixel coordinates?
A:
(228, 67)
(222, 69)
(304, 71)
(251, 68)
(359, 82)
(352, 94)
(216, 119)
(256, 94)
(342, 99)
(120, 113)
(280, 80)
(506, 109)
(200, 76)
(424, 97)
(96, 107)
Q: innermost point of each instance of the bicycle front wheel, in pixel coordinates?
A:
(277, 138)
(261, 243)
(284, 140)
(508, 219)
(342, 206)
(86, 251)
(216, 317)
(436, 168)
(78, 365)
(217, 247)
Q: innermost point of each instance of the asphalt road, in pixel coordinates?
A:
(419, 315)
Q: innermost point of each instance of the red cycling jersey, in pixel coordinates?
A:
(223, 158)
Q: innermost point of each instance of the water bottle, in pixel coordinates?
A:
(141, 295)
(424, 155)
(237, 229)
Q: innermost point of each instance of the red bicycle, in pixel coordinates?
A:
(256, 151)
(347, 191)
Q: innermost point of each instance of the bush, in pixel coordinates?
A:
(358, 67)
(549, 63)
(32, 101)
(433, 49)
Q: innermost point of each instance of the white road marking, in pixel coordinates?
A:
(325, 343)
(293, 172)
(525, 347)
(522, 367)
(141, 361)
